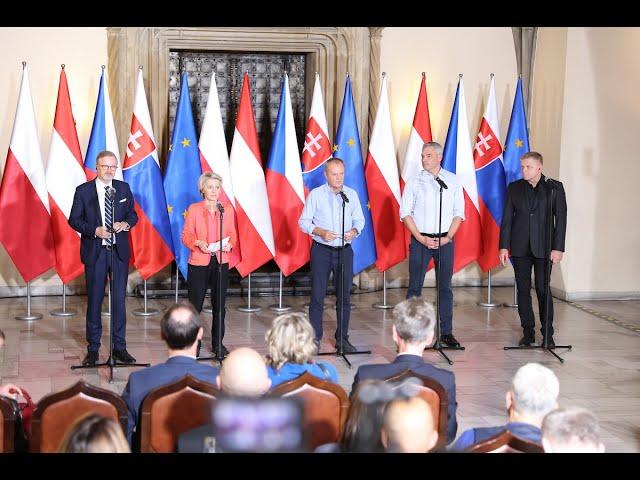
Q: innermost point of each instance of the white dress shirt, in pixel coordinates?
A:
(421, 200)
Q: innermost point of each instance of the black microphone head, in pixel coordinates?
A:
(344, 196)
(441, 182)
(220, 207)
(111, 191)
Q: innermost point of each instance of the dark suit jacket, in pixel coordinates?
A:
(143, 381)
(86, 216)
(193, 441)
(415, 364)
(522, 225)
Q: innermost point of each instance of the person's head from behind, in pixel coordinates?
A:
(244, 373)
(95, 434)
(533, 394)
(290, 340)
(363, 428)
(413, 324)
(408, 426)
(571, 430)
(181, 328)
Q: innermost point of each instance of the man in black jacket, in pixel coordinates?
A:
(524, 235)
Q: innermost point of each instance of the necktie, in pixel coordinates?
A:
(108, 214)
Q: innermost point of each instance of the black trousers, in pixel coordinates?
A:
(203, 277)
(522, 267)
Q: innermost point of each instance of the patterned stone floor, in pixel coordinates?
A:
(601, 372)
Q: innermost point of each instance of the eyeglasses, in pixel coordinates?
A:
(108, 167)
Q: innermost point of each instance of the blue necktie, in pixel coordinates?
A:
(108, 214)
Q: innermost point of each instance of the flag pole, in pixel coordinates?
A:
(248, 308)
(29, 316)
(384, 305)
(279, 308)
(177, 281)
(515, 296)
(147, 312)
(64, 312)
(488, 303)
(107, 313)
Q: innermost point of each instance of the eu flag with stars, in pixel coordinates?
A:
(347, 147)
(182, 173)
(517, 143)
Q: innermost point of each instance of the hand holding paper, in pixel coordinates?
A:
(215, 246)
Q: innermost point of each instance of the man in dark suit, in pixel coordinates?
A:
(413, 330)
(524, 235)
(92, 216)
(182, 331)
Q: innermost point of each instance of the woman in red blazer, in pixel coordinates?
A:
(201, 235)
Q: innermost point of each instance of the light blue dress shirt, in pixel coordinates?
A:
(323, 208)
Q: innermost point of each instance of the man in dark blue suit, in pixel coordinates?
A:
(413, 330)
(182, 331)
(92, 216)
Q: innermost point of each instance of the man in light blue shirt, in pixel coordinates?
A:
(419, 210)
(322, 219)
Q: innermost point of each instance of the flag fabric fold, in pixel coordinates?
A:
(285, 189)
(65, 171)
(383, 187)
(517, 142)
(348, 148)
(487, 157)
(152, 247)
(182, 173)
(419, 135)
(250, 190)
(457, 158)
(25, 224)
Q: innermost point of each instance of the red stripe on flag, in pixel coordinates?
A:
(25, 231)
(150, 253)
(246, 124)
(258, 254)
(421, 121)
(64, 123)
(67, 245)
(490, 239)
(468, 242)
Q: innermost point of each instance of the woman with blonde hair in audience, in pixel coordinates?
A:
(291, 346)
(94, 433)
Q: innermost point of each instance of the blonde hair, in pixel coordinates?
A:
(204, 178)
(290, 339)
(94, 433)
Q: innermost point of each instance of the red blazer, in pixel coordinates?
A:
(196, 227)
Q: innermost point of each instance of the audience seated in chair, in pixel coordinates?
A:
(413, 330)
(182, 331)
(408, 426)
(95, 434)
(243, 374)
(291, 346)
(571, 430)
(533, 394)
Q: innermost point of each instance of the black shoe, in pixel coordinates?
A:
(224, 352)
(550, 343)
(123, 356)
(526, 341)
(91, 358)
(346, 347)
(449, 340)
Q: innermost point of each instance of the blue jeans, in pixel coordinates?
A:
(419, 257)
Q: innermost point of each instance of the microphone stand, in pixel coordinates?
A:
(547, 285)
(339, 347)
(218, 356)
(437, 345)
(111, 361)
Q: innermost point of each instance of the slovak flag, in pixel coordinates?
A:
(151, 237)
(285, 189)
(65, 171)
(249, 187)
(103, 132)
(383, 185)
(25, 228)
(317, 146)
(487, 157)
(457, 158)
(214, 157)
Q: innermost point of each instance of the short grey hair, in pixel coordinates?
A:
(566, 426)
(204, 178)
(435, 146)
(535, 390)
(333, 160)
(414, 319)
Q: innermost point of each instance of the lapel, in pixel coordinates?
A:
(93, 195)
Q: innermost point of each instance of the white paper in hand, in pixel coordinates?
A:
(215, 246)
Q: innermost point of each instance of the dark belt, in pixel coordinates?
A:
(434, 235)
(108, 247)
(329, 247)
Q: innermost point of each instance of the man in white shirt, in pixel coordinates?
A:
(431, 238)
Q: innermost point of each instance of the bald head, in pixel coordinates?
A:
(181, 326)
(408, 427)
(244, 373)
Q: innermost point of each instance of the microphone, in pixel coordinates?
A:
(441, 183)
(220, 207)
(111, 192)
(551, 182)
(344, 196)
